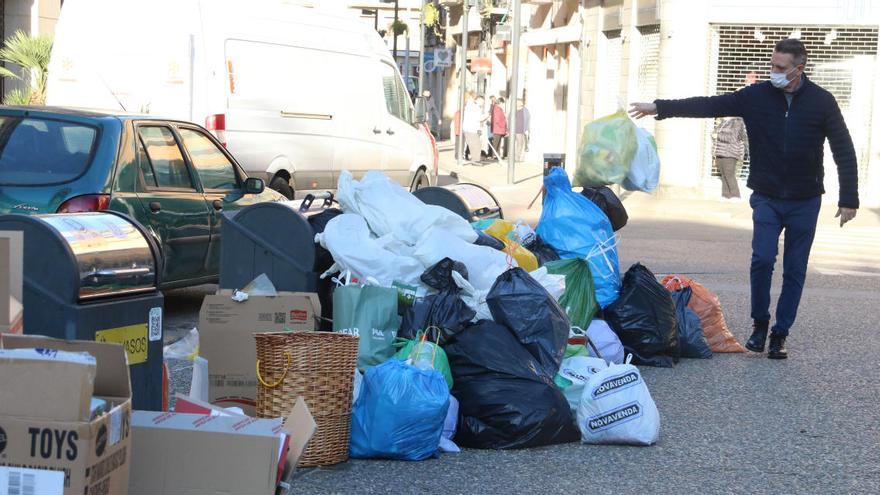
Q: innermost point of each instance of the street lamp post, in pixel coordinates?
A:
(514, 80)
(394, 32)
(462, 87)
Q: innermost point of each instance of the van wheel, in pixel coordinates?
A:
(282, 185)
(420, 181)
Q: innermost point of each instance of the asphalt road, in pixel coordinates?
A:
(738, 423)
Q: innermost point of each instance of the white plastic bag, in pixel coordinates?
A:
(616, 408)
(184, 353)
(644, 174)
(390, 209)
(484, 264)
(606, 341)
(475, 299)
(450, 424)
(555, 284)
(577, 370)
(347, 237)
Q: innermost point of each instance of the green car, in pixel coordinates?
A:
(173, 177)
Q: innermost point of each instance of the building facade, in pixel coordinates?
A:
(646, 49)
(34, 17)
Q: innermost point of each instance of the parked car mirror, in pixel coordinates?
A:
(420, 115)
(254, 185)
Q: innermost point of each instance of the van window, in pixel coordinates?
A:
(169, 169)
(396, 96)
(36, 151)
(214, 169)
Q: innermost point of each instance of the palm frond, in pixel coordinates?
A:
(18, 96)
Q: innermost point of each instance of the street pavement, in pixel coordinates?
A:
(738, 423)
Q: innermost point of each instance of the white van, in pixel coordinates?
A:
(297, 94)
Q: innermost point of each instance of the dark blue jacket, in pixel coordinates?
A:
(786, 144)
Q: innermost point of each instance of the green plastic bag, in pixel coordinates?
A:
(607, 150)
(579, 298)
(369, 313)
(424, 355)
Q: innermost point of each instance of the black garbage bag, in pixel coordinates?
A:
(505, 402)
(439, 276)
(691, 340)
(520, 303)
(445, 310)
(323, 261)
(605, 199)
(543, 251)
(484, 239)
(644, 319)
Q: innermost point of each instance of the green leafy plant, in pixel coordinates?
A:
(31, 54)
(399, 27)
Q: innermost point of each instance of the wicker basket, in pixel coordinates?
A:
(319, 367)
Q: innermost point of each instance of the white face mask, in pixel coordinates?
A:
(780, 79)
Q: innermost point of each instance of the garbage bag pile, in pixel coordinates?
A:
(506, 336)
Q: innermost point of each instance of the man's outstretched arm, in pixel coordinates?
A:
(699, 107)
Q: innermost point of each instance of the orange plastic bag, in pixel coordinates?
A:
(707, 306)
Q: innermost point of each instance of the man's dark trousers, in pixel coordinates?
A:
(770, 217)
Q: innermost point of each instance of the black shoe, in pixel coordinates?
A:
(759, 336)
(777, 347)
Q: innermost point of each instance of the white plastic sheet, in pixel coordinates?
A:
(555, 284)
(390, 209)
(348, 239)
(616, 408)
(644, 173)
(484, 264)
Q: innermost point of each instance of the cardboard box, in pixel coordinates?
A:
(11, 251)
(71, 376)
(204, 454)
(226, 338)
(94, 455)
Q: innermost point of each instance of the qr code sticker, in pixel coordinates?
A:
(155, 324)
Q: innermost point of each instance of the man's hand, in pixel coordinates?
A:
(845, 214)
(639, 110)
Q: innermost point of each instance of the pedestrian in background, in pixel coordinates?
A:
(788, 119)
(499, 126)
(522, 130)
(729, 150)
(472, 123)
(434, 118)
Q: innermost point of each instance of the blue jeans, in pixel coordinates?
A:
(770, 216)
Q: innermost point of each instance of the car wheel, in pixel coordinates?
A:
(419, 181)
(282, 185)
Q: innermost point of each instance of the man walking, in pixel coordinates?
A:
(472, 122)
(522, 129)
(788, 119)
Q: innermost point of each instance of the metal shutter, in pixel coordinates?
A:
(649, 63)
(841, 59)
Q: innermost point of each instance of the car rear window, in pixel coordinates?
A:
(37, 151)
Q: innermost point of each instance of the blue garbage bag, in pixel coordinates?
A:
(577, 228)
(399, 413)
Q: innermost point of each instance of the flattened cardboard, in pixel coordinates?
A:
(200, 454)
(94, 455)
(226, 331)
(11, 260)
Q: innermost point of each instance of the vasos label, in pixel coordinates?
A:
(133, 338)
(615, 417)
(615, 384)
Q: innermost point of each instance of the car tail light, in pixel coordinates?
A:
(434, 149)
(88, 202)
(217, 125)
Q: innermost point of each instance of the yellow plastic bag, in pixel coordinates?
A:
(501, 229)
